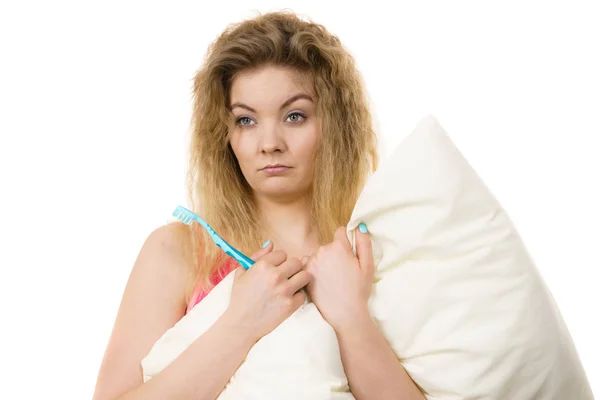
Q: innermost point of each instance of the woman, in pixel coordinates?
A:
(282, 143)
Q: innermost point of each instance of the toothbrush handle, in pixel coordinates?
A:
(244, 261)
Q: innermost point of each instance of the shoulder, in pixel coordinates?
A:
(172, 241)
(153, 302)
(167, 255)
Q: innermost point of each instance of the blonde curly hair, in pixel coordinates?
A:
(347, 151)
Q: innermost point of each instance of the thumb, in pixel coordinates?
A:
(340, 236)
(364, 249)
(263, 251)
(238, 272)
(304, 260)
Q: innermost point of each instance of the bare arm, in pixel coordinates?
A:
(341, 288)
(202, 370)
(153, 302)
(370, 364)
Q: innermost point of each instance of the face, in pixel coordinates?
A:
(276, 130)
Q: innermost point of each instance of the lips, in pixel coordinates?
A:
(275, 169)
(273, 166)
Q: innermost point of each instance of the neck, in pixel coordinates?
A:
(288, 225)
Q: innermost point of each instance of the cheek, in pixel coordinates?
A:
(308, 147)
(238, 148)
(311, 158)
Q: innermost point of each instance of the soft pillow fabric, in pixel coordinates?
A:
(456, 296)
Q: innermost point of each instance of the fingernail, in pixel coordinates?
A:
(362, 227)
(265, 244)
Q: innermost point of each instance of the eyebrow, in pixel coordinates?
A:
(284, 105)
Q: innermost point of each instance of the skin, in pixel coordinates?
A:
(338, 282)
(272, 135)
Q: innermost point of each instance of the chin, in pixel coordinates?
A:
(280, 191)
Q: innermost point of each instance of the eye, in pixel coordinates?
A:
(297, 115)
(240, 119)
(296, 118)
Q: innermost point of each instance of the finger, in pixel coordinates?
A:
(298, 281)
(341, 237)
(239, 271)
(298, 299)
(364, 251)
(308, 264)
(262, 251)
(304, 261)
(290, 267)
(275, 257)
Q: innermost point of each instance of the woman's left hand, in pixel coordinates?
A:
(341, 283)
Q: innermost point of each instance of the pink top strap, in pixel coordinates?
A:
(217, 277)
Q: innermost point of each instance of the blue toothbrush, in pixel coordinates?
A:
(186, 216)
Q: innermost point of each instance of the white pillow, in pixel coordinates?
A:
(456, 296)
(300, 359)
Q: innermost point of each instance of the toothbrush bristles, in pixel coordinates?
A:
(183, 216)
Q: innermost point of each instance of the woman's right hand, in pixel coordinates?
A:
(266, 294)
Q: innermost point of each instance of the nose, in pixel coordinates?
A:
(271, 139)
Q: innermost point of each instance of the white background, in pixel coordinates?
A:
(94, 110)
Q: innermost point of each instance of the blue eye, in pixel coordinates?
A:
(298, 118)
(239, 120)
(299, 115)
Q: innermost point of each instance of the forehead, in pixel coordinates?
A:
(269, 85)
